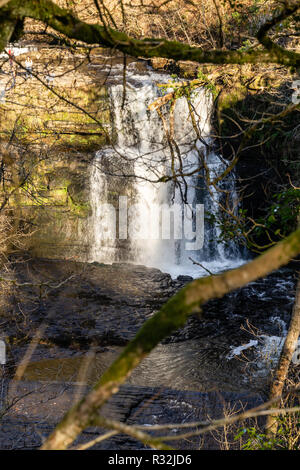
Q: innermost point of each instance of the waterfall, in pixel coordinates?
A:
(159, 224)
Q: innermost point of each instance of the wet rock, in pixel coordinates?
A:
(107, 304)
(40, 408)
(101, 305)
(185, 278)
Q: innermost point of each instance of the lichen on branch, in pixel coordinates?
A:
(66, 23)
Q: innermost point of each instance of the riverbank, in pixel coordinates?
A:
(83, 316)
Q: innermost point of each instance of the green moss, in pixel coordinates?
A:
(38, 113)
(80, 210)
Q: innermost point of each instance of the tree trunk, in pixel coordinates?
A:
(284, 361)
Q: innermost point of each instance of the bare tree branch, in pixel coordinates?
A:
(66, 23)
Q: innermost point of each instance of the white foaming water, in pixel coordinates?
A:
(142, 154)
(269, 349)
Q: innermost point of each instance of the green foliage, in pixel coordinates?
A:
(256, 6)
(287, 436)
(209, 85)
(236, 16)
(246, 46)
(281, 218)
(188, 89)
(255, 440)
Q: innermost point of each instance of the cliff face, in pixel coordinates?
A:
(49, 131)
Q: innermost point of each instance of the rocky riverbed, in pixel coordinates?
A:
(79, 316)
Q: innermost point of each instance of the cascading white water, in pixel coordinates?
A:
(130, 169)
